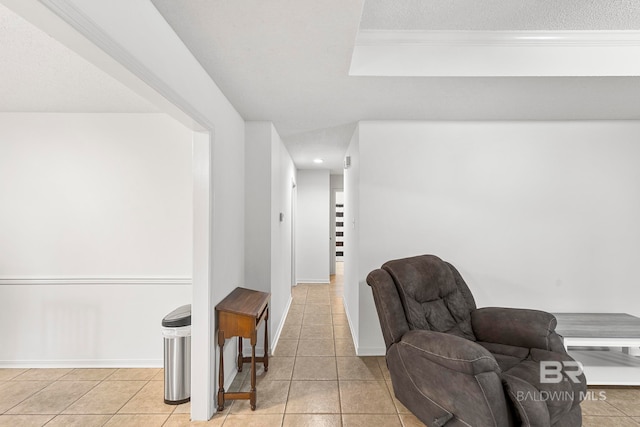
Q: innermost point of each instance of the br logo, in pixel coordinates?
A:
(551, 371)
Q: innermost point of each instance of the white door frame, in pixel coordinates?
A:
(203, 350)
(294, 193)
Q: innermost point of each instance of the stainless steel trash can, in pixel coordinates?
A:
(176, 329)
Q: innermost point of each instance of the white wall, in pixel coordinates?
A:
(258, 164)
(312, 226)
(227, 237)
(110, 36)
(270, 173)
(540, 215)
(352, 236)
(95, 226)
(283, 176)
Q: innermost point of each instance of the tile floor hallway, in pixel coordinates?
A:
(314, 379)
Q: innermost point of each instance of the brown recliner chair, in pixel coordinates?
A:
(453, 364)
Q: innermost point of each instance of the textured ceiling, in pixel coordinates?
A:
(287, 61)
(492, 15)
(38, 74)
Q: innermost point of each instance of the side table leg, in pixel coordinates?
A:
(221, 372)
(252, 392)
(266, 342)
(240, 355)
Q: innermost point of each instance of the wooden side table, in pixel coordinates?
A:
(239, 314)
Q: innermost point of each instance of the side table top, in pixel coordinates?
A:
(245, 302)
(597, 325)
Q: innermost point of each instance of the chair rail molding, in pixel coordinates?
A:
(94, 280)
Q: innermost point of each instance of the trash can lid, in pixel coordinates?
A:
(181, 316)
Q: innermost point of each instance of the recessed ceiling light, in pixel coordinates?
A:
(318, 161)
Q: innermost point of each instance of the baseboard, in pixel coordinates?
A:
(354, 336)
(246, 350)
(276, 336)
(360, 350)
(228, 380)
(312, 282)
(370, 351)
(76, 363)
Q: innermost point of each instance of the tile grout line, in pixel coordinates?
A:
(80, 397)
(103, 380)
(29, 396)
(131, 398)
(336, 362)
(286, 403)
(338, 375)
(48, 385)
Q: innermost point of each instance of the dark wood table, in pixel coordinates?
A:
(239, 314)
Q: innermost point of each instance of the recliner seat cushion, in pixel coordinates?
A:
(433, 297)
(524, 386)
(521, 377)
(529, 406)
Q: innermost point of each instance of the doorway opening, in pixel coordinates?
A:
(337, 249)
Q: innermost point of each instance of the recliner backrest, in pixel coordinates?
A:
(433, 294)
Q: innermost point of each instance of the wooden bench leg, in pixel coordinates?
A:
(252, 396)
(221, 372)
(266, 343)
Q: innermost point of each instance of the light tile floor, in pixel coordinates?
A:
(314, 379)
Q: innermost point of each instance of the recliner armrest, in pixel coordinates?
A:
(449, 351)
(517, 327)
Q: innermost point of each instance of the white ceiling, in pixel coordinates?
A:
(38, 74)
(500, 15)
(287, 61)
